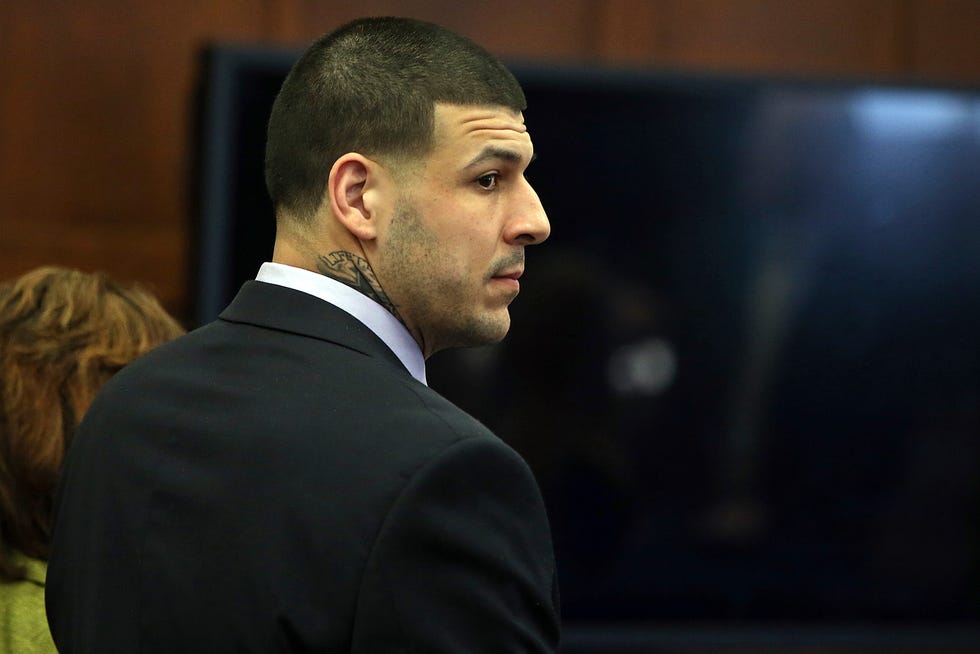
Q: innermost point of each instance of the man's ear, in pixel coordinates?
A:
(354, 191)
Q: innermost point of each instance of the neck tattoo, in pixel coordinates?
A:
(355, 271)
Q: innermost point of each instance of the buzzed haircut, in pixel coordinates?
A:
(371, 87)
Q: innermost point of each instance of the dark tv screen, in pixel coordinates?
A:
(745, 368)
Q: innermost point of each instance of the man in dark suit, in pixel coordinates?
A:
(283, 480)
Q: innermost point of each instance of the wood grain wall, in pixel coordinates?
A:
(95, 95)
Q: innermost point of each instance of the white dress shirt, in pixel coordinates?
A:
(378, 319)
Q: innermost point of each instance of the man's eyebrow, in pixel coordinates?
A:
(495, 152)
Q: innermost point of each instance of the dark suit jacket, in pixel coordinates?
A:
(276, 481)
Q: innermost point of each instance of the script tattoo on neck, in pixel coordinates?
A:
(348, 268)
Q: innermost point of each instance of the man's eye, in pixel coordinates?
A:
(488, 181)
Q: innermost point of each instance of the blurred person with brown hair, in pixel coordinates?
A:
(63, 334)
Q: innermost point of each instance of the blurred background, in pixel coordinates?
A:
(745, 369)
(95, 104)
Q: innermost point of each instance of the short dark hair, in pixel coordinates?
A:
(371, 87)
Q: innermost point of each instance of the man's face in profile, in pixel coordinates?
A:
(454, 249)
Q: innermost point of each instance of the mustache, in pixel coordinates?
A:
(508, 262)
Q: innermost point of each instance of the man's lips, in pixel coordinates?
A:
(508, 279)
(512, 274)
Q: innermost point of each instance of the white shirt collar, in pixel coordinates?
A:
(378, 319)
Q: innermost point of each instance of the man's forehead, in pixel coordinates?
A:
(460, 120)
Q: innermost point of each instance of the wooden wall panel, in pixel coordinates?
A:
(93, 166)
(539, 29)
(803, 37)
(630, 32)
(945, 40)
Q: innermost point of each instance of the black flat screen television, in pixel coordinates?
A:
(746, 366)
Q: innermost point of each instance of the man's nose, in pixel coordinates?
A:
(530, 224)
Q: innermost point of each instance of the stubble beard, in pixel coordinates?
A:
(436, 296)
